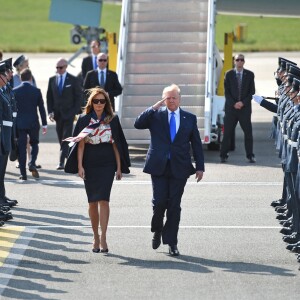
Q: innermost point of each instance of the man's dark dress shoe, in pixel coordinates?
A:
(9, 203)
(156, 240)
(38, 166)
(281, 209)
(286, 230)
(252, 159)
(282, 217)
(296, 250)
(23, 177)
(60, 167)
(291, 239)
(12, 200)
(291, 246)
(224, 159)
(173, 250)
(279, 202)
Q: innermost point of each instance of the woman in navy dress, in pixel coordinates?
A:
(102, 156)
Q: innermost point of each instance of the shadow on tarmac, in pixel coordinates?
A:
(201, 265)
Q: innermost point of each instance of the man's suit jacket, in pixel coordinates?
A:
(161, 148)
(112, 85)
(67, 104)
(29, 99)
(87, 65)
(231, 89)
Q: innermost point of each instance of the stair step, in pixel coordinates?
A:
(165, 68)
(166, 37)
(160, 6)
(167, 47)
(175, 28)
(172, 15)
(164, 78)
(137, 58)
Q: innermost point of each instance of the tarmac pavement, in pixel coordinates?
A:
(229, 238)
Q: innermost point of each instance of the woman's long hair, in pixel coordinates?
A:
(107, 108)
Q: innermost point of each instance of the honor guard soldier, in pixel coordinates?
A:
(291, 166)
(6, 123)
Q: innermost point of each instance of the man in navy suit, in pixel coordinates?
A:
(173, 133)
(64, 98)
(104, 78)
(239, 88)
(29, 99)
(90, 62)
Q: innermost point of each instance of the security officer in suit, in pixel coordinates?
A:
(64, 98)
(174, 133)
(29, 99)
(6, 123)
(239, 88)
(104, 78)
(90, 62)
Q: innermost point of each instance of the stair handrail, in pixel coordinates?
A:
(209, 68)
(122, 51)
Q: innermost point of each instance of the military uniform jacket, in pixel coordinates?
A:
(6, 123)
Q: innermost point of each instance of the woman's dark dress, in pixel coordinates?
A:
(99, 163)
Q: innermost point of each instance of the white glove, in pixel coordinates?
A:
(257, 98)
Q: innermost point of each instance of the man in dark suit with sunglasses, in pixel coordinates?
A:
(64, 98)
(104, 78)
(239, 88)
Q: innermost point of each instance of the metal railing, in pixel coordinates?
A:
(121, 60)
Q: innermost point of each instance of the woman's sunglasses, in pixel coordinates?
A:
(98, 101)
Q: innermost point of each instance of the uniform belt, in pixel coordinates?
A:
(7, 123)
(292, 143)
(14, 114)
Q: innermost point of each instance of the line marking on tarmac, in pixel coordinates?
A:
(148, 226)
(145, 182)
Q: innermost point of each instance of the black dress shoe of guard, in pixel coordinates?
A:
(156, 240)
(8, 203)
(13, 200)
(281, 209)
(23, 178)
(4, 216)
(5, 208)
(291, 239)
(296, 250)
(279, 202)
(60, 167)
(291, 246)
(173, 250)
(282, 217)
(287, 230)
(38, 166)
